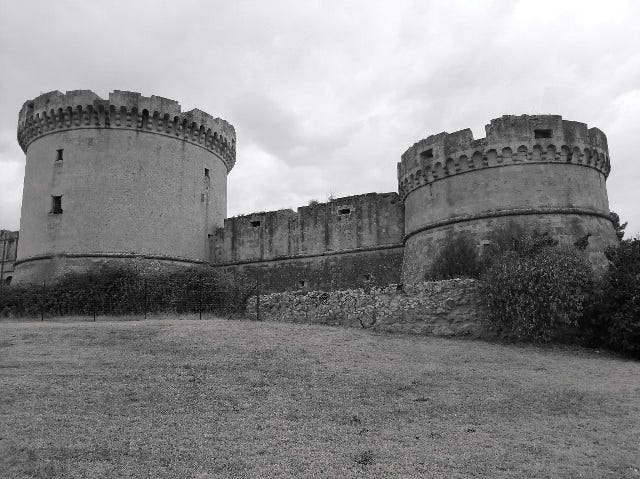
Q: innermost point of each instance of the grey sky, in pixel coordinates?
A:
(325, 96)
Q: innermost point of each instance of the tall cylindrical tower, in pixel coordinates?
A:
(127, 177)
(540, 172)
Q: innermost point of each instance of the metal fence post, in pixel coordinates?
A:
(144, 305)
(258, 295)
(200, 299)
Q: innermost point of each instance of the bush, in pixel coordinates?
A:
(613, 319)
(619, 227)
(514, 237)
(536, 290)
(116, 289)
(457, 258)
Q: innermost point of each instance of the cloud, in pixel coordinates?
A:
(10, 193)
(325, 96)
(277, 130)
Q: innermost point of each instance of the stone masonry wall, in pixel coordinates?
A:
(347, 242)
(541, 171)
(128, 176)
(354, 269)
(343, 224)
(8, 251)
(441, 308)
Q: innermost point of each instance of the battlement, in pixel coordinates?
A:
(342, 224)
(522, 127)
(509, 140)
(57, 111)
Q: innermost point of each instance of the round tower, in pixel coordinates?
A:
(539, 171)
(128, 177)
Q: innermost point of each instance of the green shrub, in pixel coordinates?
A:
(592, 331)
(613, 319)
(116, 289)
(619, 227)
(20, 300)
(536, 290)
(457, 258)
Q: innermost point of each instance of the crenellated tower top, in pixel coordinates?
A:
(509, 140)
(56, 111)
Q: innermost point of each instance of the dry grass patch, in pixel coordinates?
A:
(168, 398)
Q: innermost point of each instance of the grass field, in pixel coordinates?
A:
(215, 398)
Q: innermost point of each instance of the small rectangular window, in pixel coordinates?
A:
(255, 223)
(344, 211)
(542, 133)
(427, 153)
(206, 172)
(59, 155)
(56, 205)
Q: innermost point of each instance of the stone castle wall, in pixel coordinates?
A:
(8, 252)
(442, 308)
(542, 172)
(133, 177)
(346, 242)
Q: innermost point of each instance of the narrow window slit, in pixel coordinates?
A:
(542, 133)
(56, 205)
(59, 154)
(427, 153)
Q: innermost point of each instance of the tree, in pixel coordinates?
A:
(537, 289)
(616, 224)
(620, 307)
(458, 257)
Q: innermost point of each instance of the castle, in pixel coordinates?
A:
(134, 177)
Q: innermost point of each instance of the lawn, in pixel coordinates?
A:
(215, 398)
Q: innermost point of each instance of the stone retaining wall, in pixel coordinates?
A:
(439, 308)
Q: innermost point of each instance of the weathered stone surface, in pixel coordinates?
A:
(328, 271)
(136, 177)
(139, 178)
(539, 171)
(440, 308)
(348, 223)
(345, 243)
(8, 251)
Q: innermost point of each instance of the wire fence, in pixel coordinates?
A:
(123, 297)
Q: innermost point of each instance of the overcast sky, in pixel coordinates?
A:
(326, 95)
